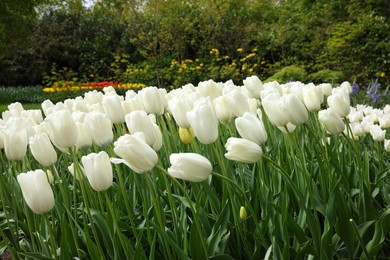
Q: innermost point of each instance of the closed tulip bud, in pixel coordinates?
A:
(326, 89)
(331, 120)
(138, 121)
(311, 98)
(254, 86)
(112, 105)
(84, 138)
(98, 170)
(204, 121)
(42, 149)
(384, 121)
(93, 97)
(243, 214)
(189, 167)
(99, 127)
(62, 129)
(271, 106)
(237, 101)
(377, 133)
(209, 88)
(250, 127)
(36, 191)
(355, 116)
(186, 135)
(222, 109)
(179, 107)
(80, 172)
(47, 107)
(136, 153)
(340, 104)
(294, 109)
(152, 100)
(242, 150)
(387, 145)
(15, 143)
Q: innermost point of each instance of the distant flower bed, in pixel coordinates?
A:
(62, 86)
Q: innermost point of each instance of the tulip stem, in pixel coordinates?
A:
(190, 203)
(51, 235)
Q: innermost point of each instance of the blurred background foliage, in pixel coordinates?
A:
(170, 43)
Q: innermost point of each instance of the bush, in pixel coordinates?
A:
(326, 75)
(289, 73)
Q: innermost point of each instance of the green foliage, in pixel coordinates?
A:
(289, 73)
(326, 75)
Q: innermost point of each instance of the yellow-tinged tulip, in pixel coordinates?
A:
(36, 191)
(186, 135)
(243, 214)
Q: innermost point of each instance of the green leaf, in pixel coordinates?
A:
(381, 229)
(196, 247)
(219, 230)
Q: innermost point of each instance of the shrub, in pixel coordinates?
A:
(327, 75)
(289, 73)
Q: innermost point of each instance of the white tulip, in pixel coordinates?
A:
(189, 166)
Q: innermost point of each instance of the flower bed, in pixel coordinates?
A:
(214, 170)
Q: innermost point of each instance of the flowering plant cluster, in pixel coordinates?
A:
(67, 86)
(273, 169)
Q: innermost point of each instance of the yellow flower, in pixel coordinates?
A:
(240, 50)
(214, 51)
(48, 90)
(186, 135)
(243, 214)
(382, 74)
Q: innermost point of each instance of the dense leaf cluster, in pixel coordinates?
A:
(328, 39)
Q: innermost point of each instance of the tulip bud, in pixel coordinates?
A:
(179, 106)
(222, 110)
(186, 135)
(61, 129)
(242, 150)
(311, 98)
(250, 127)
(136, 153)
(294, 109)
(15, 143)
(243, 214)
(189, 167)
(99, 126)
(138, 121)
(204, 121)
(237, 101)
(340, 103)
(209, 89)
(42, 149)
(152, 100)
(377, 133)
(387, 145)
(254, 86)
(332, 121)
(271, 106)
(98, 169)
(112, 105)
(36, 191)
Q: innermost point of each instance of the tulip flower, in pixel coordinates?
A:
(186, 135)
(189, 167)
(331, 120)
(42, 149)
(339, 103)
(271, 106)
(209, 88)
(204, 121)
(242, 150)
(179, 106)
(36, 191)
(138, 121)
(387, 145)
(237, 101)
(311, 98)
(15, 143)
(99, 127)
(377, 133)
(136, 153)
(243, 214)
(222, 109)
(112, 105)
(61, 129)
(254, 86)
(84, 138)
(250, 127)
(98, 170)
(152, 101)
(294, 109)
